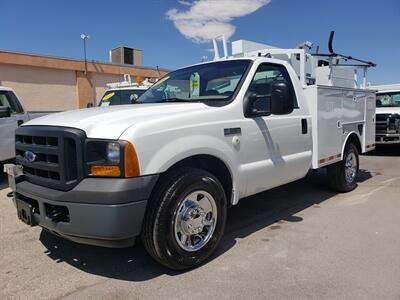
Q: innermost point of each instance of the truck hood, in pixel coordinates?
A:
(388, 110)
(111, 122)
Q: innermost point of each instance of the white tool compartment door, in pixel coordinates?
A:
(353, 106)
(369, 136)
(328, 117)
(353, 113)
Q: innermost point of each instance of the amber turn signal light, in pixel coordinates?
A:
(131, 161)
(106, 171)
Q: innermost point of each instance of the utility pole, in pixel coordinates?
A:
(85, 37)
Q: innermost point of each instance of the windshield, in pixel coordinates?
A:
(215, 81)
(119, 97)
(390, 99)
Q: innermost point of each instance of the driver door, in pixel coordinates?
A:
(278, 147)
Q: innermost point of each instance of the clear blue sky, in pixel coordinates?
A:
(367, 29)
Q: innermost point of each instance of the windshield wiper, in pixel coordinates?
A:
(176, 100)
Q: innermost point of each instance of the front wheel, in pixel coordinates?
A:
(343, 175)
(185, 219)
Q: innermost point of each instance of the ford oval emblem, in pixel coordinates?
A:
(29, 156)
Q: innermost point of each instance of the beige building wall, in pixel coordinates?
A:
(41, 89)
(47, 83)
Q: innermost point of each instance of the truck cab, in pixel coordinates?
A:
(12, 115)
(198, 141)
(387, 114)
(126, 92)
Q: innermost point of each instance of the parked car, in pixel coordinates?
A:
(123, 93)
(202, 138)
(12, 115)
(387, 114)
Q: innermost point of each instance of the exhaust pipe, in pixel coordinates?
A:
(330, 43)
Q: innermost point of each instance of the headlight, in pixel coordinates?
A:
(111, 159)
(394, 123)
(113, 153)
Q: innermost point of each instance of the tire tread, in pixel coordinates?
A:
(155, 217)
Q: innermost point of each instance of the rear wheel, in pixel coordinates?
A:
(185, 219)
(343, 175)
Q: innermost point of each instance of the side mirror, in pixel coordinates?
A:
(256, 106)
(5, 112)
(282, 102)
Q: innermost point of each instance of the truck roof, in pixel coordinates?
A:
(230, 58)
(386, 87)
(4, 88)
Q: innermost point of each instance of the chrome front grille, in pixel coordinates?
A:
(387, 123)
(382, 123)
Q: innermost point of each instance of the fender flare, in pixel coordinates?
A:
(347, 139)
(235, 187)
(222, 153)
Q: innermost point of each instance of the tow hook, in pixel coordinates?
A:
(57, 213)
(55, 216)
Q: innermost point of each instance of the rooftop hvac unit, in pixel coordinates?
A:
(126, 56)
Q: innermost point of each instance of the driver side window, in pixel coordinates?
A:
(261, 86)
(8, 99)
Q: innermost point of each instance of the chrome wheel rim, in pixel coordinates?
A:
(195, 221)
(350, 167)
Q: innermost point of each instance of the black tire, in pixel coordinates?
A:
(337, 172)
(158, 233)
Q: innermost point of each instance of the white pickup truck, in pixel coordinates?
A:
(200, 139)
(387, 114)
(12, 115)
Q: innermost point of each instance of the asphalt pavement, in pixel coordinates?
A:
(298, 241)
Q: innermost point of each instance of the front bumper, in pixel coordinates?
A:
(387, 138)
(98, 211)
